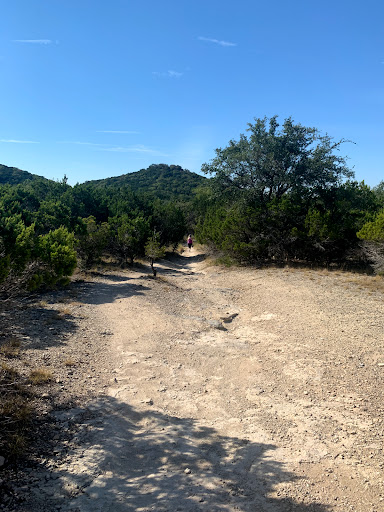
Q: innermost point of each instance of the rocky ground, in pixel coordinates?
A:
(207, 389)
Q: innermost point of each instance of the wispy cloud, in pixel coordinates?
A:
(139, 148)
(168, 74)
(133, 149)
(129, 132)
(14, 141)
(216, 41)
(33, 41)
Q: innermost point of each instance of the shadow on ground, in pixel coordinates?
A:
(177, 264)
(185, 260)
(110, 290)
(129, 461)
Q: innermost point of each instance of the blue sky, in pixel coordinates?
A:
(99, 88)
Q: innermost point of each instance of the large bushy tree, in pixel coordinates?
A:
(281, 192)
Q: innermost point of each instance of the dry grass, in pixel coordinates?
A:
(371, 283)
(15, 412)
(17, 444)
(64, 312)
(69, 362)
(8, 374)
(40, 376)
(209, 262)
(179, 249)
(362, 282)
(18, 408)
(10, 348)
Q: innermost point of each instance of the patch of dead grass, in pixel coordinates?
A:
(15, 412)
(64, 312)
(69, 363)
(10, 348)
(40, 376)
(371, 283)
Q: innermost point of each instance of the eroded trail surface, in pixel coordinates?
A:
(229, 389)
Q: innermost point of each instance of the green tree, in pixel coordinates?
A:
(373, 230)
(169, 220)
(272, 162)
(37, 260)
(278, 192)
(379, 193)
(372, 234)
(91, 242)
(52, 215)
(57, 249)
(128, 237)
(154, 250)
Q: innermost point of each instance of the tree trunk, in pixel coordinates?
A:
(153, 268)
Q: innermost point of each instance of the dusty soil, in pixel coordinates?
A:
(207, 389)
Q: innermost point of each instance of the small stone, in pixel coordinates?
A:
(187, 471)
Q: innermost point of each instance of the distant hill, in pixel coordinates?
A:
(14, 176)
(163, 181)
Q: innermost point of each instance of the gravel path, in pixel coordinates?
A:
(211, 389)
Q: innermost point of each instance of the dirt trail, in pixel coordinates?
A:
(230, 390)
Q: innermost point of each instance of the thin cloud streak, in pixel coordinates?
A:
(13, 141)
(33, 41)
(174, 74)
(133, 149)
(116, 149)
(168, 74)
(216, 41)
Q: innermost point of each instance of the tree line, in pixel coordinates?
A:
(278, 193)
(48, 228)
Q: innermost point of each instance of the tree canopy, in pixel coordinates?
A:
(271, 162)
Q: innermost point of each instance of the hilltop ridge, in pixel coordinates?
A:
(161, 180)
(15, 176)
(164, 181)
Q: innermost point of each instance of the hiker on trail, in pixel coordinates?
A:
(190, 241)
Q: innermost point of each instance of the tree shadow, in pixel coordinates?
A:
(40, 327)
(129, 460)
(178, 264)
(109, 276)
(186, 260)
(110, 290)
(37, 327)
